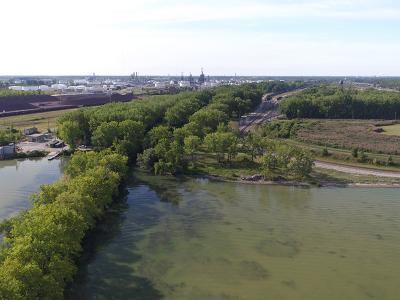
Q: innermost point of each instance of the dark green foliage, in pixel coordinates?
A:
(31, 154)
(354, 152)
(325, 152)
(390, 162)
(37, 261)
(179, 114)
(286, 160)
(362, 157)
(222, 143)
(281, 129)
(335, 103)
(147, 159)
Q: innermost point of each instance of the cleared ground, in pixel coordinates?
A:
(392, 129)
(42, 121)
(356, 170)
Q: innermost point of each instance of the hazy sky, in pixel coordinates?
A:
(252, 37)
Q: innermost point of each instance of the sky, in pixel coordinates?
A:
(161, 37)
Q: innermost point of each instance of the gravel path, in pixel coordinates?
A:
(356, 170)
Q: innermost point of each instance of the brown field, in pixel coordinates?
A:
(349, 134)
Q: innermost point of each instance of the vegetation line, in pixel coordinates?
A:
(37, 259)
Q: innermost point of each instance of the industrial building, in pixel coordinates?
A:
(7, 151)
(36, 138)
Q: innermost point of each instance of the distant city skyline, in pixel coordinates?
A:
(154, 37)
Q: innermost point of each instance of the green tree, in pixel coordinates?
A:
(71, 133)
(222, 143)
(156, 134)
(253, 145)
(105, 135)
(192, 145)
(209, 118)
(300, 163)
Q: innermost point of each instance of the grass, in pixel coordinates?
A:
(345, 156)
(340, 137)
(42, 121)
(349, 134)
(392, 129)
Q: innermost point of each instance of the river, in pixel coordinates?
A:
(196, 239)
(19, 179)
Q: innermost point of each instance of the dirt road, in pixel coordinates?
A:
(356, 170)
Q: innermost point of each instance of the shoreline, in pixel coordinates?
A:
(300, 183)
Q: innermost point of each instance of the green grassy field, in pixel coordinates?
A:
(392, 129)
(42, 121)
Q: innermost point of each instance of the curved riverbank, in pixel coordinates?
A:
(198, 239)
(322, 183)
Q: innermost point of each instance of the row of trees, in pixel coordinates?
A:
(194, 110)
(188, 122)
(5, 92)
(41, 245)
(334, 102)
(198, 112)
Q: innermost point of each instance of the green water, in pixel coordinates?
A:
(19, 179)
(197, 239)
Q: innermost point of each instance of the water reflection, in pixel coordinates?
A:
(19, 179)
(196, 239)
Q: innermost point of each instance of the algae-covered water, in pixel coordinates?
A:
(196, 239)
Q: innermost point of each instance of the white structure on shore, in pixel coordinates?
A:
(183, 84)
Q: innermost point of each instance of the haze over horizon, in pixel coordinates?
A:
(277, 38)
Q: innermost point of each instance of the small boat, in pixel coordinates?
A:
(53, 155)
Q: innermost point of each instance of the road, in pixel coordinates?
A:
(266, 111)
(356, 170)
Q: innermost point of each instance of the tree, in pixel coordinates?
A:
(179, 114)
(147, 159)
(192, 145)
(253, 145)
(156, 134)
(300, 163)
(71, 133)
(105, 135)
(209, 118)
(221, 143)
